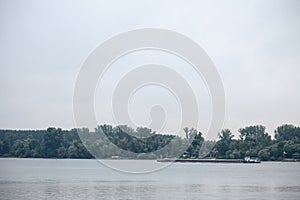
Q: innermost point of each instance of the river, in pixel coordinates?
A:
(88, 179)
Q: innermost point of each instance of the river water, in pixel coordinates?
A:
(88, 179)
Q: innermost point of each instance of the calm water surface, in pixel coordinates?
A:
(87, 179)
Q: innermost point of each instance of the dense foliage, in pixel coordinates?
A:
(107, 141)
(50, 143)
(254, 141)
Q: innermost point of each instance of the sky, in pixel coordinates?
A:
(255, 46)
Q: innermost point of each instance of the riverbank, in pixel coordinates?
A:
(162, 160)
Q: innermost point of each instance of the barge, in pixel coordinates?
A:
(188, 160)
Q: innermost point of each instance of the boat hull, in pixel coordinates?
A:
(202, 160)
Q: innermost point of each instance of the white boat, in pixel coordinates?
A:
(250, 159)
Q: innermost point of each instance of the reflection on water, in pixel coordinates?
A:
(288, 189)
(86, 179)
(252, 188)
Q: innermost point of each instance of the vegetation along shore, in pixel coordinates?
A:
(143, 143)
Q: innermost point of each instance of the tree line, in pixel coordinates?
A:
(123, 141)
(255, 141)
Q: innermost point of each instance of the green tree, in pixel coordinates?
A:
(222, 146)
(196, 144)
(255, 136)
(287, 132)
(51, 142)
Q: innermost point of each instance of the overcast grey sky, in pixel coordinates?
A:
(255, 46)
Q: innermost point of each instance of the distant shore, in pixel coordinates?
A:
(122, 141)
(120, 159)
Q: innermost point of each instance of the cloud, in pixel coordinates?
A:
(255, 46)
